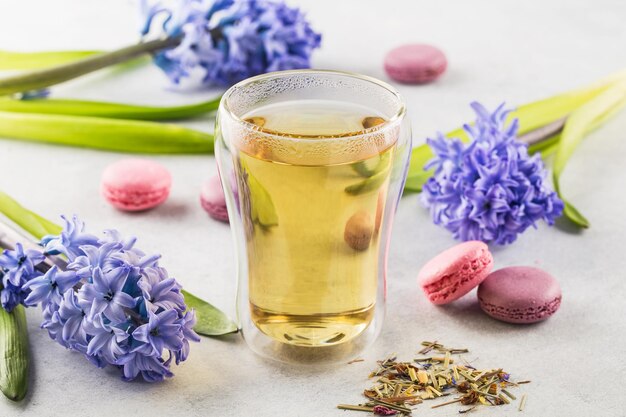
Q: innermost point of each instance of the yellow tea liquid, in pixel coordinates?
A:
(313, 228)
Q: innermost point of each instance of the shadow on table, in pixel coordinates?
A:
(468, 313)
(567, 226)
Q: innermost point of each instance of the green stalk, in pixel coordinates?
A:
(39, 79)
(108, 110)
(106, 134)
(578, 125)
(14, 356)
(27, 220)
(545, 144)
(10, 60)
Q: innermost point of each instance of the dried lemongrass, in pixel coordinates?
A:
(401, 385)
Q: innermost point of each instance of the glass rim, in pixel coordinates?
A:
(387, 125)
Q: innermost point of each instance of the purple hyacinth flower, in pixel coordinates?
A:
(490, 189)
(114, 304)
(91, 257)
(159, 291)
(187, 322)
(10, 295)
(104, 294)
(106, 343)
(161, 331)
(18, 265)
(74, 318)
(53, 323)
(151, 368)
(226, 41)
(70, 240)
(49, 288)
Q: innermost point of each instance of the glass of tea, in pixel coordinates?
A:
(312, 164)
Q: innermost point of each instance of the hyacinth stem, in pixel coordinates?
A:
(538, 136)
(35, 80)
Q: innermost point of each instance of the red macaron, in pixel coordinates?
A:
(135, 184)
(455, 272)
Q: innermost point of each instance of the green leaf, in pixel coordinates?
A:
(531, 116)
(549, 151)
(105, 134)
(544, 144)
(416, 180)
(27, 220)
(371, 166)
(14, 355)
(107, 110)
(35, 60)
(211, 321)
(575, 216)
(577, 126)
(262, 208)
(376, 176)
(369, 184)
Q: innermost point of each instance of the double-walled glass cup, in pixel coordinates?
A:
(312, 164)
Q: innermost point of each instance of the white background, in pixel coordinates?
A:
(498, 51)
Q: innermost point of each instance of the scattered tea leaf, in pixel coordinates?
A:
(401, 385)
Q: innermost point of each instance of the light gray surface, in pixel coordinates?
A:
(513, 51)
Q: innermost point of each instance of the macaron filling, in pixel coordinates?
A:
(448, 285)
(136, 199)
(523, 315)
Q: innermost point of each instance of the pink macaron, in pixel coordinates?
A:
(212, 199)
(520, 294)
(455, 272)
(415, 63)
(135, 184)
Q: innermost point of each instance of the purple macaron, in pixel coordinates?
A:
(415, 63)
(520, 294)
(213, 200)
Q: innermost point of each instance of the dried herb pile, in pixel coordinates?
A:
(402, 385)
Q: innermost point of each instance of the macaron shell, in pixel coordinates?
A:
(213, 200)
(455, 272)
(520, 294)
(415, 63)
(135, 184)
